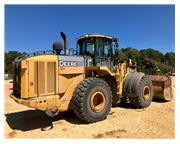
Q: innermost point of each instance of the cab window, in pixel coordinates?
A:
(86, 47)
(103, 47)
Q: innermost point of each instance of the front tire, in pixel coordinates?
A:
(143, 94)
(92, 100)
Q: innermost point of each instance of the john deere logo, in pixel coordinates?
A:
(68, 63)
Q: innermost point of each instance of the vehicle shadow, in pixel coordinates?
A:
(128, 105)
(159, 100)
(34, 119)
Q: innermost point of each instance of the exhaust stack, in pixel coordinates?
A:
(66, 47)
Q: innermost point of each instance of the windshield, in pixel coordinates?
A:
(103, 47)
(86, 47)
(94, 46)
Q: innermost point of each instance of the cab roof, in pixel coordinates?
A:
(95, 35)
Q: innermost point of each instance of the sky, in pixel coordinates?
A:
(30, 28)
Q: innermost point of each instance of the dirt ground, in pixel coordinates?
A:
(124, 121)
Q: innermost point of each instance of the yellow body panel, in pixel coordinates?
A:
(67, 75)
(100, 70)
(67, 96)
(44, 83)
(69, 78)
(71, 70)
(95, 35)
(34, 85)
(32, 77)
(44, 58)
(121, 71)
(40, 103)
(61, 101)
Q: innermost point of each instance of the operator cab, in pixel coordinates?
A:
(100, 48)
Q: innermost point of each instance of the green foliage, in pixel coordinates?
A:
(9, 58)
(143, 64)
(131, 53)
(122, 56)
(170, 58)
(153, 54)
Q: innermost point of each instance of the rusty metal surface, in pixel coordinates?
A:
(158, 77)
(162, 87)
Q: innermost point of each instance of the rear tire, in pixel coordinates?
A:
(143, 94)
(92, 100)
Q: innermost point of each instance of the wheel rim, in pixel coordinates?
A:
(146, 93)
(97, 101)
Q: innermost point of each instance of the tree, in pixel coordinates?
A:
(131, 53)
(9, 58)
(143, 64)
(122, 56)
(153, 54)
(170, 58)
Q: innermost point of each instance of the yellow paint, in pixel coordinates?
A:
(28, 75)
(43, 58)
(40, 103)
(24, 79)
(95, 35)
(121, 71)
(64, 80)
(31, 76)
(66, 98)
(71, 70)
(100, 70)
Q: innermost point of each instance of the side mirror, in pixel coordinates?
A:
(117, 44)
(117, 51)
(116, 41)
(58, 47)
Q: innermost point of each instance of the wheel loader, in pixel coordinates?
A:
(88, 80)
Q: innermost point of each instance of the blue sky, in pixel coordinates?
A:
(31, 28)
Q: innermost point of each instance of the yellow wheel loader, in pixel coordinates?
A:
(88, 80)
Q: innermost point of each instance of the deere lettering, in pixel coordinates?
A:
(68, 63)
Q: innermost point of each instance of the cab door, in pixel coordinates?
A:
(103, 55)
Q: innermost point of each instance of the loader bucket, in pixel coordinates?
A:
(163, 87)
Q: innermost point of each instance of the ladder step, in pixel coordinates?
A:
(118, 93)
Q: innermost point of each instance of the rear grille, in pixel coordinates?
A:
(51, 77)
(35, 78)
(46, 76)
(16, 79)
(41, 77)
